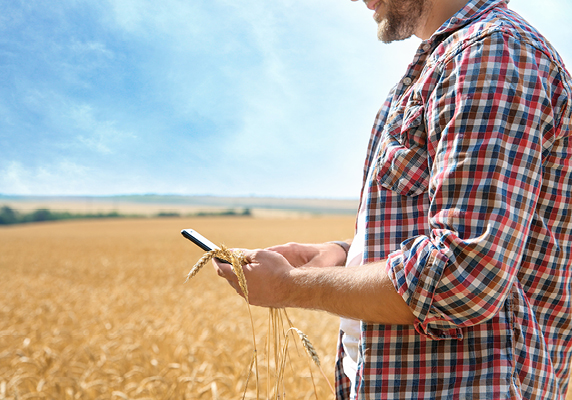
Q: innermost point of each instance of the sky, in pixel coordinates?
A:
(200, 97)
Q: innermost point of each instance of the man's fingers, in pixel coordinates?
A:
(223, 270)
(262, 256)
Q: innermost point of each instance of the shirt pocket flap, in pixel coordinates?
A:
(402, 165)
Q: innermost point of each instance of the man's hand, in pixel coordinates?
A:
(312, 255)
(268, 270)
(266, 274)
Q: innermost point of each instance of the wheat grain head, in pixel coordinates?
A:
(235, 258)
(308, 346)
(200, 264)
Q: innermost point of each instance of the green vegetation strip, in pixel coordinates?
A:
(9, 216)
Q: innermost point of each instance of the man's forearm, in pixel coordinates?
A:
(364, 293)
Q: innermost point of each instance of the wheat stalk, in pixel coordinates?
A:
(238, 260)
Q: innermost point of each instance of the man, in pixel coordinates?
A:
(457, 282)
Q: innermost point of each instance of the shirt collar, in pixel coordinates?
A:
(471, 11)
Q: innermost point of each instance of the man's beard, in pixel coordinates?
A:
(401, 19)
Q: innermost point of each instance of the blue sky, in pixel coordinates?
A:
(221, 97)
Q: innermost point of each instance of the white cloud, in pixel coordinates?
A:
(62, 177)
(175, 19)
(90, 48)
(13, 179)
(96, 134)
(75, 125)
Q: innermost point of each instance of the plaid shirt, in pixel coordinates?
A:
(469, 205)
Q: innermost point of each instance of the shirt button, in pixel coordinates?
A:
(426, 47)
(454, 20)
(407, 81)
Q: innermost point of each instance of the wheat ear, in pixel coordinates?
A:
(235, 258)
(307, 345)
(200, 264)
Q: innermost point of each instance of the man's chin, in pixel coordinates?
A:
(388, 35)
(383, 33)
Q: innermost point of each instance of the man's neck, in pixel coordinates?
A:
(439, 11)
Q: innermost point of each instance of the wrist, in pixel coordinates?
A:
(342, 251)
(301, 288)
(291, 288)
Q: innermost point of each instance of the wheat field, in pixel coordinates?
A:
(100, 310)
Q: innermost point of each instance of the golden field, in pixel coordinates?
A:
(99, 310)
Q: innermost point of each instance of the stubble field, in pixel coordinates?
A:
(100, 310)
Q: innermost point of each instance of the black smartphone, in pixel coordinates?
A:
(201, 241)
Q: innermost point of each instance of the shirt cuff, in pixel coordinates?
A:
(415, 272)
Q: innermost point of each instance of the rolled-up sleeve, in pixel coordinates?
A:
(487, 121)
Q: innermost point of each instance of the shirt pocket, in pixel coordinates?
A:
(402, 164)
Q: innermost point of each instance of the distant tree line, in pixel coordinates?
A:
(224, 213)
(227, 213)
(9, 216)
